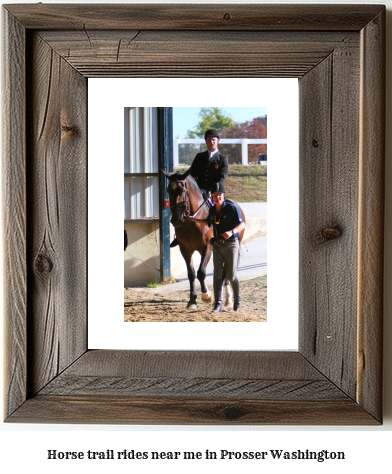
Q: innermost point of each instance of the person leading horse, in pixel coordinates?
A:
(192, 218)
(228, 223)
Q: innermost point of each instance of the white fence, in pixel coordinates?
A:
(244, 142)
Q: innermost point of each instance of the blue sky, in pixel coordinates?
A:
(185, 118)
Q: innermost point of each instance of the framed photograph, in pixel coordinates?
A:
(241, 138)
(337, 52)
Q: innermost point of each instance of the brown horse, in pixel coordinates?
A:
(186, 200)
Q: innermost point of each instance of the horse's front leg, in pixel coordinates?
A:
(191, 277)
(201, 274)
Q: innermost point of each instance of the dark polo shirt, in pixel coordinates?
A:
(226, 220)
(209, 171)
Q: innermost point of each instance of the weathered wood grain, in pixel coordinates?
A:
(122, 43)
(128, 53)
(14, 211)
(193, 387)
(161, 374)
(208, 364)
(204, 388)
(57, 210)
(191, 17)
(141, 70)
(154, 411)
(329, 137)
(371, 215)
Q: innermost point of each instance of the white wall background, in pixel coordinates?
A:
(24, 447)
(280, 96)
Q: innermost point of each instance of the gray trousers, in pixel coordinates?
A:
(226, 253)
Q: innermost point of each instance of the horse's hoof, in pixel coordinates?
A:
(191, 306)
(207, 297)
(228, 297)
(229, 303)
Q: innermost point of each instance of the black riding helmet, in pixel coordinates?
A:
(211, 133)
(218, 188)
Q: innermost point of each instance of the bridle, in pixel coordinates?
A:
(184, 203)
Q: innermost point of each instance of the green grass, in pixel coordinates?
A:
(155, 284)
(245, 183)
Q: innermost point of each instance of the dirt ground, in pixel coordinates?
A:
(166, 304)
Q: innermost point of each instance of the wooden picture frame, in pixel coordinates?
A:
(338, 54)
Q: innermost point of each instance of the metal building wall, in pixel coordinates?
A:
(141, 181)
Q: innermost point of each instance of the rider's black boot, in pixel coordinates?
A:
(218, 296)
(236, 291)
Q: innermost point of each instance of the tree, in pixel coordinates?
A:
(188, 151)
(255, 128)
(210, 117)
(214, 117)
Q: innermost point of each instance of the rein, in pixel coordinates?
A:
(202, 204)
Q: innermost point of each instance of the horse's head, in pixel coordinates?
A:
(178, 195)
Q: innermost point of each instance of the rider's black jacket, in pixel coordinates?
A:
(209, 171)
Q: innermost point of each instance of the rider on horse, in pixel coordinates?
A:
(209, 167)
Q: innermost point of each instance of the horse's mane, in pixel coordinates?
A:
(190, 180)
(192, 184)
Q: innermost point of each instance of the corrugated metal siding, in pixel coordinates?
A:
(141, 193)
